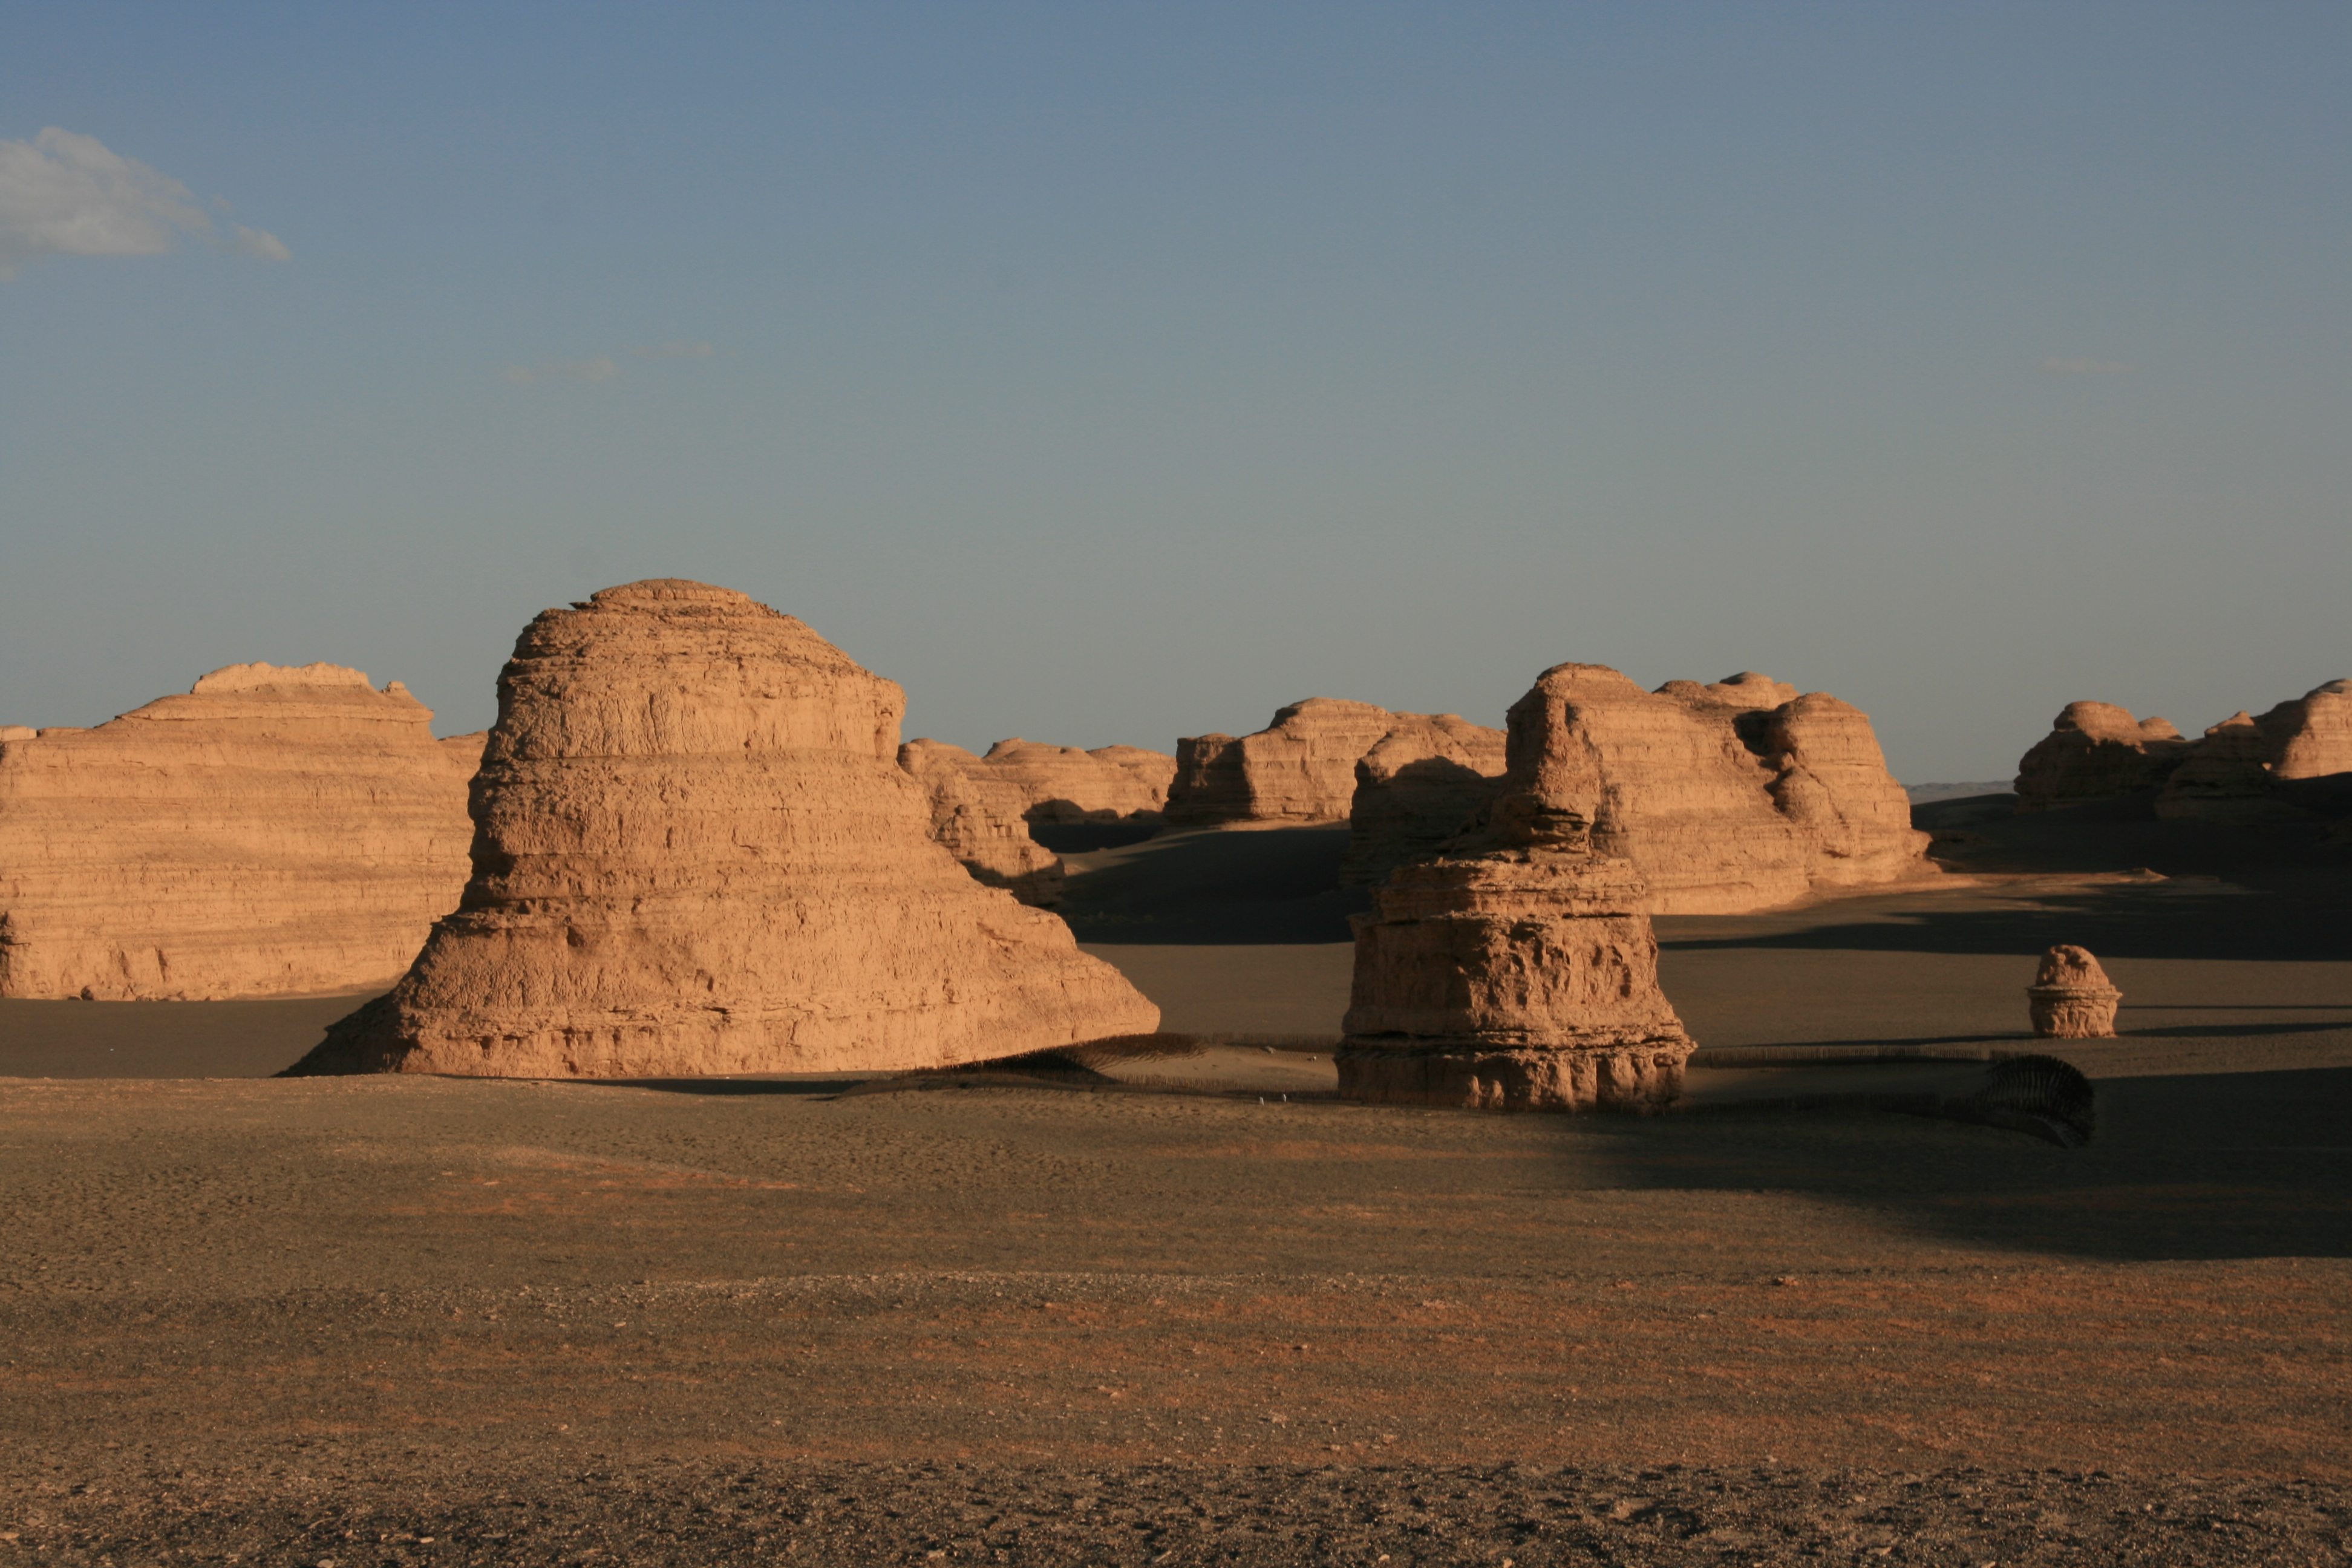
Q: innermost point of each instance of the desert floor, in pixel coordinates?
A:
(358, 1321)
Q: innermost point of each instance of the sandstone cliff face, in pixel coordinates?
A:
(979, 819)
(1517, 970)
(1416, 789)
(1301, 768)
(273, 831)
(2095, 751)
(2312, 736)
(695, 853)
(1832, 784)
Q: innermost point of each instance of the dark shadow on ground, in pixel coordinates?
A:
(1259, 886)
(2192, 1166)
(1982, 833)
(163, 1039)
(1086, 837)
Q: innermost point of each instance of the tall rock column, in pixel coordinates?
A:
(693, 853)
(1515, 972)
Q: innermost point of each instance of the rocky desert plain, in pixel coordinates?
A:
(692, 1124)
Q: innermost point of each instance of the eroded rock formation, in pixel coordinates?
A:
(274, 831)
(2095, 751)
(695, 853)
(1064, 784)
(2242, 769)
(1301, 768)
(979, 819)
(2072, 998)
(1415, 788)
(1516, 970)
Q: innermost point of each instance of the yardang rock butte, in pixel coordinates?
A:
(695, 853)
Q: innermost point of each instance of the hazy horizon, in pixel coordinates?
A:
(1104, 375)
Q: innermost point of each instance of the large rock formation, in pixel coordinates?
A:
(1516, 970)
(2239, 771)
(272, 832)
(2095, 751)
(1416, 789)
(979, 819)
(1064, 784)
(694, 852)
(1301, 768)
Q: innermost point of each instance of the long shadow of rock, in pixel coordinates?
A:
(2185, 1167)
(1271, 886)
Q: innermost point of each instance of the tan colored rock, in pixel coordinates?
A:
(1064, 784)
(1301, 768)
(2228, 776)
(1516, 970)
(1414, 789)
(275, 831)
(1833, 785)
(695, 853)
(2072, 998)
(2097, 751)
(978, 819)
(2312, 736)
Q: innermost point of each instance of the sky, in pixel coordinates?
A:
(1105, 373)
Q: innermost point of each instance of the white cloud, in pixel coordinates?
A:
(67, 194)
(2086, 367)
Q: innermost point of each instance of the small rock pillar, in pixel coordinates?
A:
(2072, 998)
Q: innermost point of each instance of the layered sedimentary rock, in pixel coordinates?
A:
(1416, 789)
(1516, 970)
(1831, 782)
(1064, 784)
(2072, 998)
(2226, 777)
(695, 853)
(1301, 768)
(2095, 751)
(978, 819)
(274, 831)
(2312, 736)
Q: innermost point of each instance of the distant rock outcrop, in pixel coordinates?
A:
(695, 853)
(1516, 970)
(275, 831)
(979, 819)
(1416, 789)
(1301, 768)
(2095, 751)
(2241, 770)
(1064, 784)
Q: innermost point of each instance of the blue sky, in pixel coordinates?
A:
(1106, 373)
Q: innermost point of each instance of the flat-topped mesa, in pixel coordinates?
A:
(1300, 769)
(1516, 970)
(695, 853)
(275, 831)
(2097, 751)
(1414, 789)
(978, 819)
(1064, 784)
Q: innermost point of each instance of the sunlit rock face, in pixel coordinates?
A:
(1300, 769)
(2072, 998)
(2097, 751)
(695, 853)
(1516, 970)
(274, 831)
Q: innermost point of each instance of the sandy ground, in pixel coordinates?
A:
(370, 1320)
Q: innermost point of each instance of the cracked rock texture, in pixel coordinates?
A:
(1300, 768)
(2095, 751)
(977, 818)
(274, 831)
(695, 853)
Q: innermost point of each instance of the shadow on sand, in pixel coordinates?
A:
(1232, 887)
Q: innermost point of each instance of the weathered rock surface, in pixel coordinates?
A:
(1517, 970)
(2311, 737)
(2095, 751)
(275, 831)
(1728, 797)
(695, 853)
(1415, 788)
(1300, 768)
(2072, 998)
(1064, 784)
(978, 819)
